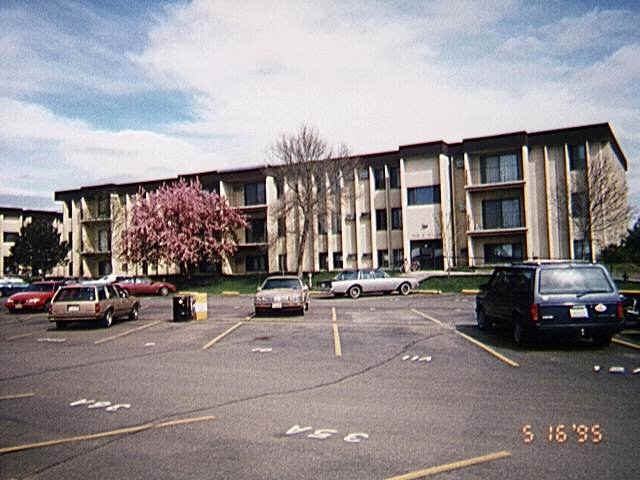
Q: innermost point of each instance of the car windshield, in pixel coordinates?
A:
(83, 294)
(574, 280)
(347, 276)
(282, 283)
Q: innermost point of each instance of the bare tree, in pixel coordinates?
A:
(314, 181)
(601, 211)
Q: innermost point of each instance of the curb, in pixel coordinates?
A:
(230, 293)
(469, 291)
(427, 292)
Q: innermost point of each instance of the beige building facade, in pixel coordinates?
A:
(11, 222)
(434, 205)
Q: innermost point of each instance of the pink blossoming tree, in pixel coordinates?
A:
(180, 224)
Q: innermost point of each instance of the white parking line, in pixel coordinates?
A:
(337, 346)
(451, 466)
(17, 395)
(128, 332)
(222, 335)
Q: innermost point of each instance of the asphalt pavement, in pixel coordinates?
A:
(373, 388)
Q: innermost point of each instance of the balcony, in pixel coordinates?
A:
(493, 223)
(92, 220)
(494, 177)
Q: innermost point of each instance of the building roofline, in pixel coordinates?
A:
(407, 149)
(30, 211)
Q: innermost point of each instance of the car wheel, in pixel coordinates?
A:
(483, 321)
(355, 291)
(107, 321)
(134, 313)
(301, 312)
(306, 306)
(61, 325)
(602, 340)
(519, 336)
(164, 291)
(404, 289)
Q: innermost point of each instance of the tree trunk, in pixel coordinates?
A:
(302, 244)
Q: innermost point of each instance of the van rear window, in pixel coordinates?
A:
(76, 295)
(574, 280)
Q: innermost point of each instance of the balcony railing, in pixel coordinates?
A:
(503, 221)
(495, 175)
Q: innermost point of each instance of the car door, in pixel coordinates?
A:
(116, 301)
(367, 280)
(496, 302)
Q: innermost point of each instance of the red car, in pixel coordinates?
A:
(145, 286)
(36, 297)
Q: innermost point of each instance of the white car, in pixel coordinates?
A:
(356, 282)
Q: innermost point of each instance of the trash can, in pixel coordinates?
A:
(198, 305)
(182, 308)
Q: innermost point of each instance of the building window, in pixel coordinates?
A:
(104, 241)
(322, 224)
(398, 258)
(337, 260)
(381, 219)
(256, 233)
(10, 236)
(503, 213)
(282, 263)
(394, 177)
(282, 227)
(502, 252)
(423, 195)
(255, 263)
(577, 157)
(396, 219)
(336, 222)
(383, 258)
(378, 178)
(581, 250)
(500, 168)
(323, 261)
(579, 207)
(254, 194)
(104, 207)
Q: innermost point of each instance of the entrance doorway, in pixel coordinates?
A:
(426, 255)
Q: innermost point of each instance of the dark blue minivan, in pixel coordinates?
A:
(559, 297)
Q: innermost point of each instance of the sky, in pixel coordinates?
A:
(105, 91)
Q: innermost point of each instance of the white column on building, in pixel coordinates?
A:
(226, 261)
(343, 236)
(567, 173)
(468, 206)
(329, 223)
(547, 193)
(403, 200)
(588, 224)
(372, 219)
(357, 211)
(272, 223)
(527, 200)
(446, 220)
(315, 233)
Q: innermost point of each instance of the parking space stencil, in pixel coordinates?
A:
(325, 433)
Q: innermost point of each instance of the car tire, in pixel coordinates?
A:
(483, 321)
(134, 313)
(61, 325)
(107, 321)
(355, 292)
(301, 312)
(404, 289)
(164, 291)
(602, 340)
(306, 306)
(519, 335)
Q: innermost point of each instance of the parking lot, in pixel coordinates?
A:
(379, 387)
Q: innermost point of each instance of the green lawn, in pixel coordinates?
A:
(454, 283)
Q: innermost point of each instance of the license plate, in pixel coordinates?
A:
(18, 306)
(579, 312)
(276, 305)
(73, 308)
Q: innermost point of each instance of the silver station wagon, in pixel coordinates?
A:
(356, 282)
(92, 301)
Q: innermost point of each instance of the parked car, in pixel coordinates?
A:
(282, 293)
(356, 282)
(92, 301)
(11, 285)
(36, 297)
(555, 297)
(631, 309)
(145, 286)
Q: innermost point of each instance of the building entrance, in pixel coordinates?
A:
(426, 255)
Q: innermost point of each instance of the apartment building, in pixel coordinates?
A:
(11, 222)
(432, 205)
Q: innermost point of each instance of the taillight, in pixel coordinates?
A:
(534, 311)
(619, 311)
(97, 308)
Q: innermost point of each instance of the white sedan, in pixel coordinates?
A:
(356, 282)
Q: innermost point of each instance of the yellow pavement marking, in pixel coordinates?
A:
(94, 436)
(486, 348)
(337, 346)
(15, 337)
(222, 335)
(18, 395)
(428, 317)
(452, 466)
(490, 350)
(625, 343)
(133, 330)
